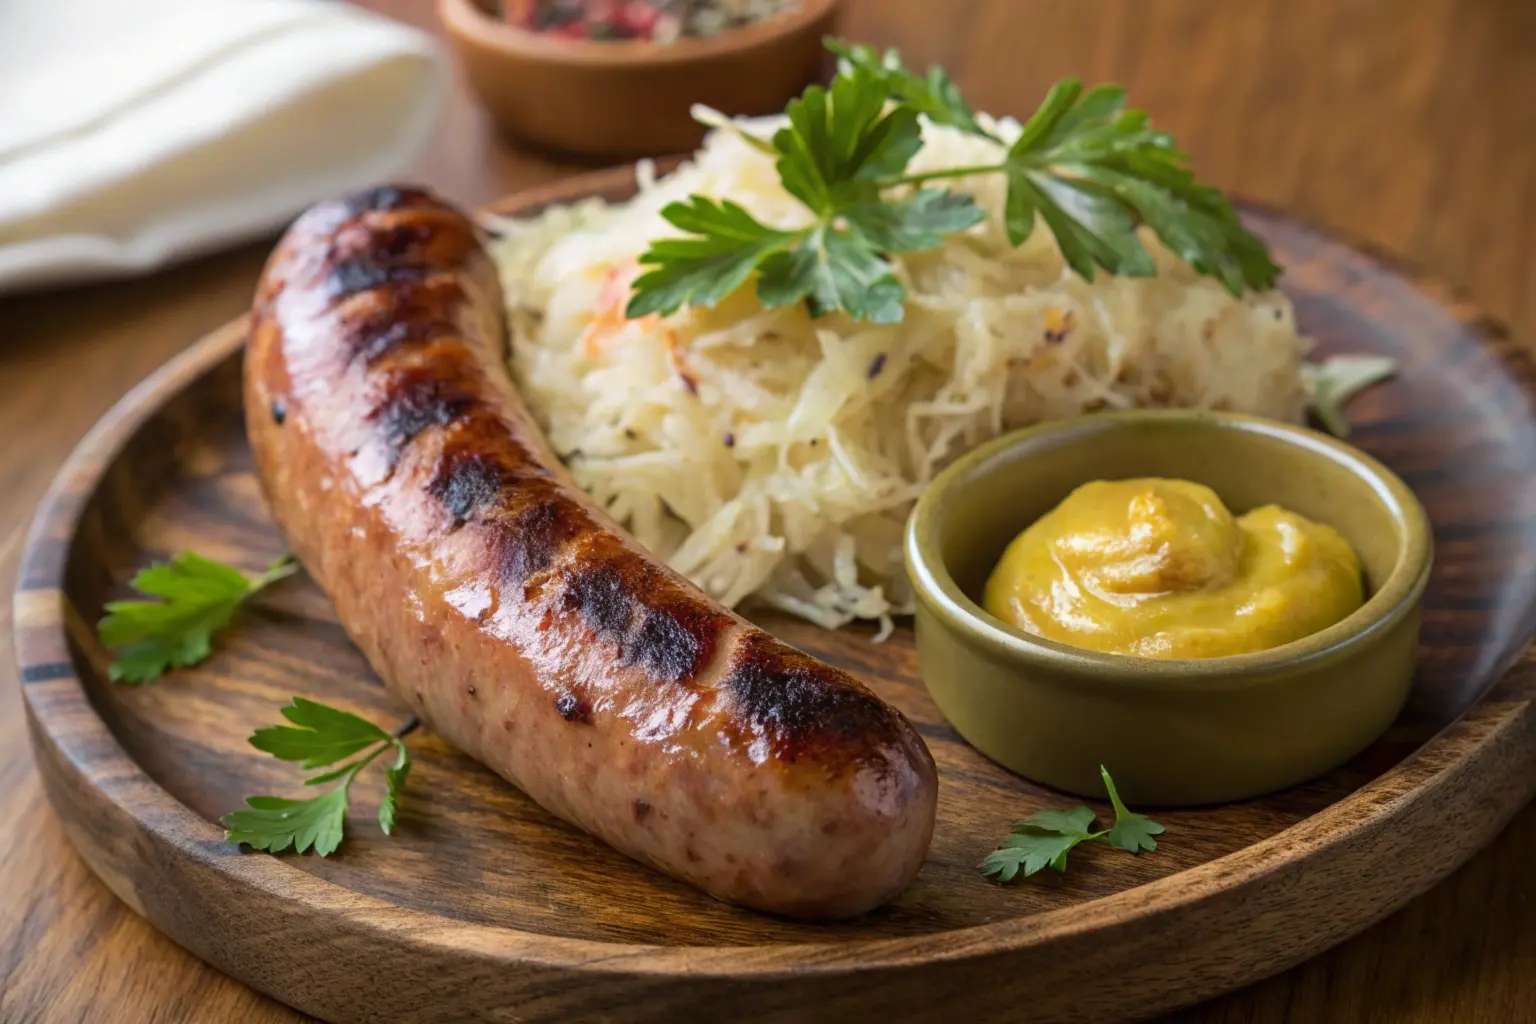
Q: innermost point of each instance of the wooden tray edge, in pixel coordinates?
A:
(1494, 747)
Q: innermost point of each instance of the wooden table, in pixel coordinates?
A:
(1406, 123)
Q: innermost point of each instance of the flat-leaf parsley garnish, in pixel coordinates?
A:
(198, 596)
(1090, 169)
(319, 737)
(1046, 837)
(841, 148)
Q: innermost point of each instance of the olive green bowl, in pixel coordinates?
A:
(1172, 732)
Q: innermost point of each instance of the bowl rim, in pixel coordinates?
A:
(1399, 594)
(467, 18)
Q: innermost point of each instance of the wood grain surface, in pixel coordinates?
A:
(1405, 122)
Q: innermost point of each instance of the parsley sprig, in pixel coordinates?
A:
(1046, 837)
(198, 598)
(1090, 169)
(840, 149)
(319, 737)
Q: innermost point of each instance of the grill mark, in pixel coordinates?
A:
(396, 242)
(465, 482)
(664, 648)
(371, 346)
(383, 197)
(602, 599)
(533, 535)
(408, 314)
(802, 707)
(415, 411)
(414, 399)
(657, 626)
(389, 247)
(327, 224)
(352, 276)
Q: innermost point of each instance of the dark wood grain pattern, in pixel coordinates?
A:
(1406, 122)
(482, 885)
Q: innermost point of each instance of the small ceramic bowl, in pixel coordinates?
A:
(632, 98)
(1172, 732)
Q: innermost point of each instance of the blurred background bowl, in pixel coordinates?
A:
(632, 98)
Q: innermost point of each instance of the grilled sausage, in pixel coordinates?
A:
(517, 619)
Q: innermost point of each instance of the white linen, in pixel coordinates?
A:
(137, 132)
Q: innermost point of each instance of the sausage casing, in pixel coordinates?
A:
(517, 619)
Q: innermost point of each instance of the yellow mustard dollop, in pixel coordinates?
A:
(1161, 569)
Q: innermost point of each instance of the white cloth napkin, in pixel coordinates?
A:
(138, 132)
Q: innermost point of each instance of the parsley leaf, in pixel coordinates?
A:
(199, 598)
(394, 778)
(1078, 819)
(838, 148)
(274, 824)
(324, 735)
(839, 142)
(1028, 852)
(842, 269)
(916, 222)
(725, 246)
(833, 270)
(320, 736)
(1333, 382)
(1043, 839)
(1046, 837)
(935, 96)
(1132, 832)
(1092, 171)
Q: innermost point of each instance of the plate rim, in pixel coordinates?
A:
(86, 755)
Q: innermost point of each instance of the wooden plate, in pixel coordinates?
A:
(484, 907)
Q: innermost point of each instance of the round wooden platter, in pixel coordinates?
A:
(484, 907)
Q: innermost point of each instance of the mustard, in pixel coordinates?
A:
(1161, 569)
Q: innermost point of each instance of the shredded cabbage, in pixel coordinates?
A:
(763, 453)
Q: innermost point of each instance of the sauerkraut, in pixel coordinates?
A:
(767, 454)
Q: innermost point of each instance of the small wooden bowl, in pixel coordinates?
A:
(632, 98)
(1173, 732)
